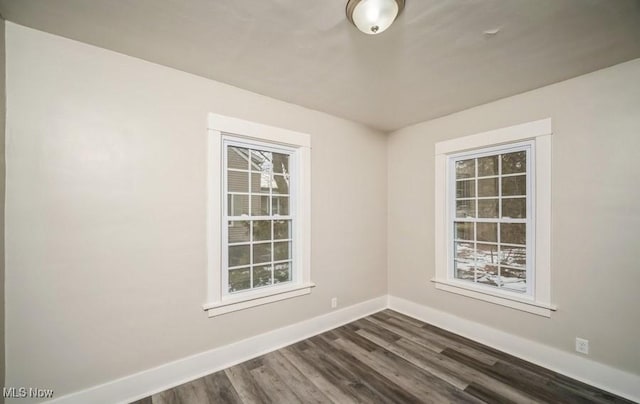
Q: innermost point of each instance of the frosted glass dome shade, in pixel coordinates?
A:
(373, 16)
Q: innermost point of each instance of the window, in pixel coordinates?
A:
(493, 205)
(259, 233)
(491, 193)
(259, 238)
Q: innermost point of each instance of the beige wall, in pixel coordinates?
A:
(106, 160)
(595, 209)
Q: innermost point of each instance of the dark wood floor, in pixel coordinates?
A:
(385, 358)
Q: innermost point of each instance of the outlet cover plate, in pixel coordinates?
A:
(582, 345)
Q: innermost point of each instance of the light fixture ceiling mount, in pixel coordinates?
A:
(373, 16)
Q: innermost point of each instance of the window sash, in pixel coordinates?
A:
(229, 140)
(528, 147)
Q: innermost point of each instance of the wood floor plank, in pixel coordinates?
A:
(146, 400)
(385, 389)
(301, 386)
(316, 377)
(417, 360)
(478, 374)
(541, 387)
(387, 357)
(342, 376)
(194, 392)
(166, 397)
(487, 395)
(574, 389)
(272, 385)
(434, 337)
(394, 314)
(470, 375)
(476, 346)
(219, 389)
(363, 382)
(378, 331)
(426, 387)
(534, 384)
(245, 385)
(561, 384)
(400, 331)
(188, 393)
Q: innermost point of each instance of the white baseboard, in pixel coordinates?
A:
(140, 385)
(596, 374)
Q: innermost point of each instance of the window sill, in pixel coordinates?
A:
(530, 306)
(236, 303)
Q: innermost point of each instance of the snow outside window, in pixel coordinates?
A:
(493, 216)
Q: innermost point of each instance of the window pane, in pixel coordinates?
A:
(237, 181)
(261, 230)
(237, 157)
(515, 208)
(513, 233)
(238, 255)
(281, 251)
(466, 168)
(488, 187)
(260, 182)
(262, 253)
(513, 279)
(261, 161)
(464, 270)
(514, 162)
(280, 184)
(487, 166)
(513, 256)
(488, 275)
(280, 163)
(464, 252)
(487, 264)
(487, 232)
(465, 189)
(237, 205)
(516, 185)
(281, 205)
(282, 229)
(239, 279)
(238, 231)
(486, 254)
(488, 208)
(465, 208)
(261, 275)
(282, 272)
(259, 205)
(464, 231)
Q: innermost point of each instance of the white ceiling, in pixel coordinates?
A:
(433, 61)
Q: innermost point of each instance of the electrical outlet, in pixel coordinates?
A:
(582, 345)
(334, 302)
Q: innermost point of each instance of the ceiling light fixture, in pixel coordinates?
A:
(373, 16)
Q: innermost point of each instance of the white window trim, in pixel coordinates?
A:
(218, 302)
(539, 302)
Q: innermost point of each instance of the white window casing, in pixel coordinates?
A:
(535, 138)
(232, 132)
